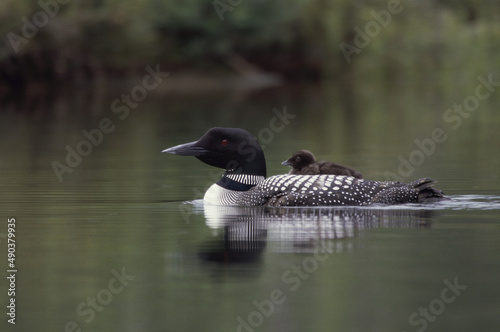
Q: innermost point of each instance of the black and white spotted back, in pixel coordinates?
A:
(329, 190)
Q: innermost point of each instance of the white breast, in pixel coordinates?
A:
(221, 196)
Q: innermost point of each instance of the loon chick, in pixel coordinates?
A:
(304, 163)
(244, 181)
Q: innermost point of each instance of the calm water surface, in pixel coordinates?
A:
(124, 243)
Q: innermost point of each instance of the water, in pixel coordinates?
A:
(126, 228)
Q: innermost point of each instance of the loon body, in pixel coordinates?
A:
(304, 163)
(244, 181)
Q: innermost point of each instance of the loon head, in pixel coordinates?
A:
(299, 159)
(232, 149)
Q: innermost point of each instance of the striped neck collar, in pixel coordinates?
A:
(239, 182)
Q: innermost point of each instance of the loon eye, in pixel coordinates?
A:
(298, 159)
(223, 142)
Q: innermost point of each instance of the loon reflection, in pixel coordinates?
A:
(245, 232)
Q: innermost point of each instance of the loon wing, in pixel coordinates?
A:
(332, 190)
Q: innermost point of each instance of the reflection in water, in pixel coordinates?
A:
(243, 242)
(247, 230)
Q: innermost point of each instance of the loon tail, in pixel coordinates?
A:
(426, 192)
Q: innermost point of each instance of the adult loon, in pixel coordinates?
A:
(304, 163)
(244, 181)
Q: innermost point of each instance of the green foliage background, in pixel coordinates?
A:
(298, 38)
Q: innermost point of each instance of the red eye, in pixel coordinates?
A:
(223, 142)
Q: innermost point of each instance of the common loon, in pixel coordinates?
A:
(304, 163)
(244, 181)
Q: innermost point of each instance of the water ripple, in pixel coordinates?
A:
(456, 202)
(471, 202)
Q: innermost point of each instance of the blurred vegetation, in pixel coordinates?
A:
(457, 39)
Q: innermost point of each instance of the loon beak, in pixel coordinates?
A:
(187, 149)
(286, 163)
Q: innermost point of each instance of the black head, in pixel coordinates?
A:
(232, 149)
(300, 159)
